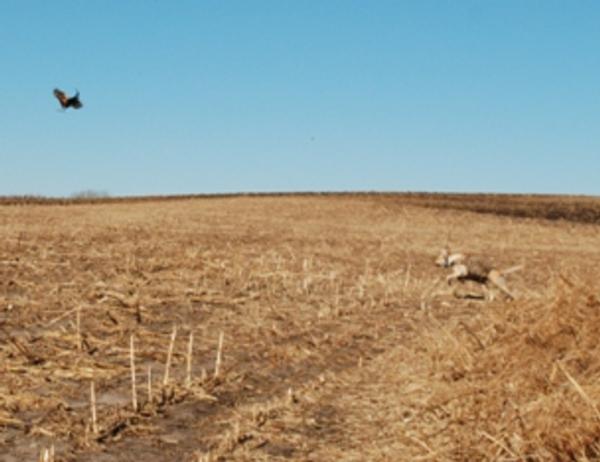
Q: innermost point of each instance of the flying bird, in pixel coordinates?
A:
(66, 102)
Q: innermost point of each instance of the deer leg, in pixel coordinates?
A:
(458, 272)
(498, 280)
(488, 294)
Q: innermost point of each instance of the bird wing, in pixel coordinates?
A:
(61, 96)
(74, 102)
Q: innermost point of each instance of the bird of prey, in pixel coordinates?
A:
(66, 102)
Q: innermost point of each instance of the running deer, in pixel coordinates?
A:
(468, 268)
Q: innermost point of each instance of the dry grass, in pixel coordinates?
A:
(320, 332)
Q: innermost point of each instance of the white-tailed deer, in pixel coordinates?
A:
(466, 268)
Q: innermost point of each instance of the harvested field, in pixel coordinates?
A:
(339, 339)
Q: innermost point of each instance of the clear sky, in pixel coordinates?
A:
(320, 95)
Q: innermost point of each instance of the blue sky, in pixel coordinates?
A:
(228, 96)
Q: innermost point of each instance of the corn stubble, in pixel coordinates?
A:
(294, 328)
